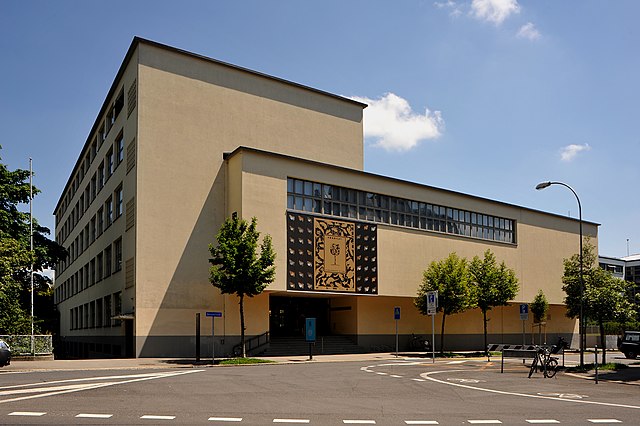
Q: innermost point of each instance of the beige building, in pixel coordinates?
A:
(184, 141)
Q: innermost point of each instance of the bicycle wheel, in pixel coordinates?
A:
(552, 368)
(534, 365)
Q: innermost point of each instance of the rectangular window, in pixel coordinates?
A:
(119, 149)
(109, 163)
(99, 266)
(117, 249)
(94, 181)
(107, 311)
(100, 180)
(118, 200)
(117, 305)
(100, 217)
(93, 229)
(108, 213)
(92, 268)
(107, 261)
(99, 313)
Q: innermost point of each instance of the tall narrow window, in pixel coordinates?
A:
(117, 249)
(118, 201)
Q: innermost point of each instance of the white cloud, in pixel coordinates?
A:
(529, 31)
(455, 9)
(569, 152)
(394, 126)
(494, 11)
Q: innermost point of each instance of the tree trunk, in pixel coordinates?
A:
(603, 342)
(244, 353)
(444, 316)
(484, 318)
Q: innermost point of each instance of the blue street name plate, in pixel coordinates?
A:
(214, 314)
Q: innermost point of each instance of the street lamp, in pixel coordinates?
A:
(581, 324)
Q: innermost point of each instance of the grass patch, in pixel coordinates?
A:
(244, 361)
(610, 366)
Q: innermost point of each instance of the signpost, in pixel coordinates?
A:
(310, 334)
(432, 307)
(524, 315)
(213, 316)
(396, 317)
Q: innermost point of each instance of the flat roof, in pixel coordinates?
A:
(392, 179)
(114, 85)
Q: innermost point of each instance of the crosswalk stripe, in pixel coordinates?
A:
(225, 419)
(27, 413)
(542, 421)
(421, 422)
(94, 416)
(152, 417)
(484, 422)
(359, 422)
(291, 420)
(604, 420)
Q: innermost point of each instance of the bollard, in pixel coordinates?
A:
(596, 364)
(198, 337)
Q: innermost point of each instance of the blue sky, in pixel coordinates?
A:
(486, 97)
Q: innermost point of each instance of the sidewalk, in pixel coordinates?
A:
(150, 363)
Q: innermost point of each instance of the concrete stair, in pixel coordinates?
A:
(325, 345)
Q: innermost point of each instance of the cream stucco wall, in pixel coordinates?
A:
(190, 112)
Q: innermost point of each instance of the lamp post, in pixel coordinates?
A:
(581, 324)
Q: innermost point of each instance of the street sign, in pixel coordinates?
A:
(524, 311)
(214, 314)
(396, 313)
(310, 329)
(432, 302)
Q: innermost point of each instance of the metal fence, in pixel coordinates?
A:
(21, 344)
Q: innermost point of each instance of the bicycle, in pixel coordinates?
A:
(545, 362)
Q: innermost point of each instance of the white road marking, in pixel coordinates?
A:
(419, 380)
(359, 422)
(153, 417)
(542, 421)
(577, 401)
(137, 378)
(225, 419)
(421, 422)
(456, 362)
(47, 389)
(291, 420)
(27, 413)
(604, 420)
(396, 376)
(94, 416)
(382, 374)
(484, 422)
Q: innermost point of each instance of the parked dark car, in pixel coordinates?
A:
(630, 344)
(5, 354)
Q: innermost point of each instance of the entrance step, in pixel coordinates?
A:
(325, 345)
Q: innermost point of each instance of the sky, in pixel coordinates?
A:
(484, 97)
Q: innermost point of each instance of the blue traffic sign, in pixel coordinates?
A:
(310, 329)
(396, 313)
(214, 314)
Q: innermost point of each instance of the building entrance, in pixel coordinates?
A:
(287, 315)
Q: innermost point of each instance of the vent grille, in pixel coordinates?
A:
(131, 214)
(129, 273)
(131, 155)
(132, 97)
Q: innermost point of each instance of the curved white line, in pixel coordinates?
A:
(427, 376)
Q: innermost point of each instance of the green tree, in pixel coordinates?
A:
(604, 297)
(450, 278)
(15, 277)
(492, 285)
(539, 307)
(237, 268)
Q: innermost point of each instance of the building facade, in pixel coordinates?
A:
(184, 141)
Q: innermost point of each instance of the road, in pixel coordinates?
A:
(386, 392)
